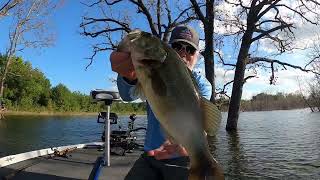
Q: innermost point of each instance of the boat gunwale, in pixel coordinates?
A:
(16, 158)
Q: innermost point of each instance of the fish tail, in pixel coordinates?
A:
(210, 170)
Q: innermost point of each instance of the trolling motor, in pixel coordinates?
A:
(121, 141)
(115, 138)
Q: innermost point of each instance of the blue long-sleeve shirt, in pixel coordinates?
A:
(155, 136)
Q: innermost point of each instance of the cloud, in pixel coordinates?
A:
(288, 81)
(202, 45)
(228, 20)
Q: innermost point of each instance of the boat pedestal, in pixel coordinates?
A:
(107, 97)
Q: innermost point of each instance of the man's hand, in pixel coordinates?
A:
(122, 64)
(168, 150)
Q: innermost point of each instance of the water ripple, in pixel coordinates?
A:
(268, 145)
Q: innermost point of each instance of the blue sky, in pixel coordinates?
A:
(65, 61)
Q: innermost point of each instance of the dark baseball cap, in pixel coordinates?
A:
(185, 34)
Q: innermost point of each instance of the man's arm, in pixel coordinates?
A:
(204, 85)
(122, 64)
(126, 88)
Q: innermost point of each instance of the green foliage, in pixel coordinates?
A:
(27, 89)
(127, 108)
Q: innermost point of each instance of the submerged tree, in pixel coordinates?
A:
(258, 22)
(206, 17)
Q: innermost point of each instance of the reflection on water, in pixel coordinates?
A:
(267, 145)
(271, 145)
(25, 133)
(236, 162)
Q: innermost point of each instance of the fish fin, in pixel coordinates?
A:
(207, 170)
(211, 115)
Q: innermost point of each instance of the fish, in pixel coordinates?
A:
(173, 95)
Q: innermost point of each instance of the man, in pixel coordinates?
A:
(161, 160)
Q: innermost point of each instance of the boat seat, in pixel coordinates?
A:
(106, 96)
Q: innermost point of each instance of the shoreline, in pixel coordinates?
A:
(47, 113)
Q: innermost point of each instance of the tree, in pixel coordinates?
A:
(314, 97)
(62, 97)
(29, 30)
(257, 22)
(208, 53)
(160, 18)
(6, 6)
(112, 24)
(26, 87)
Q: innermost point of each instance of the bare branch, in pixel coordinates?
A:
(264, 33)
(223, 91)
(92, 4)
(222, 60)
(159, 18)
(268, 8)
(267, 60)
(122, 26)
(96, 49)
(112, 3)
(312, 60)
(238, 4)
(168, 12)
(180, 15)
(145, 11)
(198, 11)
(10, 4)
(248, 77)
(299, 13)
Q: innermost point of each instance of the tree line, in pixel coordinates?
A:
(27, 89)
(269, 102)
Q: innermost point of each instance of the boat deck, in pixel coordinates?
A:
(78, 166)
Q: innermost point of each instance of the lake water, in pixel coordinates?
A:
(268, 145)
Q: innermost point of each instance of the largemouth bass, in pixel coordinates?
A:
(171, 91)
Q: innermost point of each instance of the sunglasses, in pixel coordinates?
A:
(179, 46)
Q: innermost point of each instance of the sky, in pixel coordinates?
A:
(65, 61)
